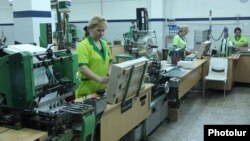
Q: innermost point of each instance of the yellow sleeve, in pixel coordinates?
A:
(175, 41)
(246, 40)
(83, 54)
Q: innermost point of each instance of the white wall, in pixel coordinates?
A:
(83, 10)
(200, 8)
(6, 12)
(6, 17)
(119, 10)
(7, 21)
(123, 9)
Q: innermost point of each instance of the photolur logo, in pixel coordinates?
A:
(224, 132)
(215, 132)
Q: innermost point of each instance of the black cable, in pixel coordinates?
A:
(50, 46)
(218, 38)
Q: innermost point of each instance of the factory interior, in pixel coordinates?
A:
(124, 70)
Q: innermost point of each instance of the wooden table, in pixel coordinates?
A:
(190, 78)
(3, 129)
(23, 134)
(242, 67)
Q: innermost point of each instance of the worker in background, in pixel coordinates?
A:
(180, 44)
(179, 40)
(94, 59)
(85, 29)
(238, 39)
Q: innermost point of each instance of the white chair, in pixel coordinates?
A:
(218, 68)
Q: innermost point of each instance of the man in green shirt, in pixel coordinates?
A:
(238, 39)
(94, 59)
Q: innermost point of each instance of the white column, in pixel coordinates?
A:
(157, 14)
(27, 16)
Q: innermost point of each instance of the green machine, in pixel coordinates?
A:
(37, 86)
(45, 34)
(17, 77)
(17, 95)
(66, 33)
(139, 40)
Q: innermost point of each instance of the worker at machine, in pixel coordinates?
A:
(94, 59)
(179, 40)
(238, 39)
(179, 45)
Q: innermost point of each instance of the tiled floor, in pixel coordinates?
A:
(213, 109)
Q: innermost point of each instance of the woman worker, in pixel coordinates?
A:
(94, 59)
(238, 39)
(179, 40)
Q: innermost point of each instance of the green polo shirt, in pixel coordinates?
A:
(239, 41)
(179, 41)
(97, 61)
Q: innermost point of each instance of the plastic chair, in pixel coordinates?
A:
(218, 68)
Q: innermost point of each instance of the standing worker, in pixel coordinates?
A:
(238, 39)
(94, 59)
(179, 43)
(179, 40)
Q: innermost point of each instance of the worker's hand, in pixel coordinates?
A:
(104, 80)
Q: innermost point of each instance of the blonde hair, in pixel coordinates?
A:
(97, 20)
(183, 27)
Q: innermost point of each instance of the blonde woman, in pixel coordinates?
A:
(94, 59)
(179, 40)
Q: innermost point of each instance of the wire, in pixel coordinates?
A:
(218, 38)
(50, 46)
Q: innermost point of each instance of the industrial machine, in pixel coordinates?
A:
(139, 40)
(200, 36)
(36, 91)
(45, 34)
(226, 48)
(159, 97)
(66, 33)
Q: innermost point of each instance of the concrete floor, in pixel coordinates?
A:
(213, 109)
